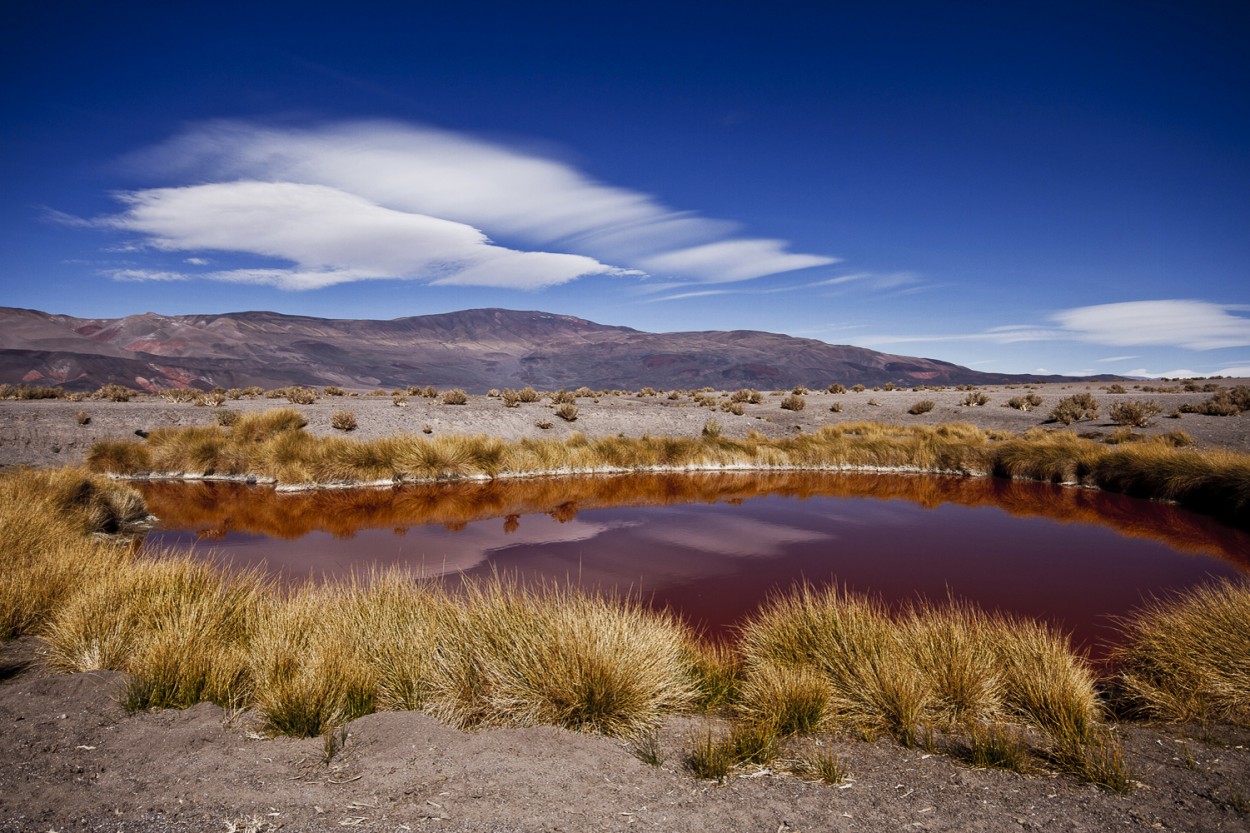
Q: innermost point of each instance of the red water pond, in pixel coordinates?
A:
(713, 547)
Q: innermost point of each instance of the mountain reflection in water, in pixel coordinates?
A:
(714, 546)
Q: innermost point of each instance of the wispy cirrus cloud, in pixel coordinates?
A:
(365, 200)
(1191, 324)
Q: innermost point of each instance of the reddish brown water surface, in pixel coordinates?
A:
(714, 546)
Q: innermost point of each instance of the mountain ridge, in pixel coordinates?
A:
(475, 349)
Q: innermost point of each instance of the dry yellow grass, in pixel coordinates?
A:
(271, 445)
(1188, 658)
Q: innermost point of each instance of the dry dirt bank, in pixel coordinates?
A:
(71, 759)
(47, 432)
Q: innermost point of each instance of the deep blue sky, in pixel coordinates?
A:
(1012, 186)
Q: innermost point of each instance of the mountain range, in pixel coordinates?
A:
(473, 349)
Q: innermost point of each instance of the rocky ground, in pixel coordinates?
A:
(72, 759)
(48, 432)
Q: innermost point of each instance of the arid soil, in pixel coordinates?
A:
(71, 758)
(47, 432)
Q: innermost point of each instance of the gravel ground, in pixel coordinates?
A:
(47, 432)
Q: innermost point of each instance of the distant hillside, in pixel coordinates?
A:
(473, 349)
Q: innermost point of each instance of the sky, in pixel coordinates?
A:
(1028, 187)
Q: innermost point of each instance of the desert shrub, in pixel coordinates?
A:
(544, 424)
(567, 412)
(212, 399)
(427, 429)
(493, 393)
(793, 402)
(710, 756)
(583, 392)
(113, 393)
(888, 386)
(799, 390)
(743, 395)
(511, 399)
(1230, 402)
(711, 429)
(562, 396)
(83, 418)
(921, 407)
(455, 397)
(228, 419)
(735, 408)
(298, 395)
(333, 390)
(975, 399)
(528, 394)
(1135, 413)
(399, 399)
(1075, 408)
(857, 388)
(989, 745)
(176, 395)
(836, 388)
(1116, 388)
(343, 421)
(836, 408)
(1024, 403)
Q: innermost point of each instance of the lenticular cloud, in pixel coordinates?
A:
(384, 200)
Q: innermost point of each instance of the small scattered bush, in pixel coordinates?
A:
(1229, 402)
(975, 399)
(511, 399)
(1137, 413)
(1117, 388)
(921, 407)
(113, 393)
(1024, 403)
(298, 395)
(455, 397)
(735, 408)
(836, 408)
(228, 419)
(562, 396)
(799, 390)
(343, 421)
(822, 765)
(567, 412)
(793, 402)
(1075, 408)
(857, 388)
(333, 390)
(83, 418)
(399, 400)
(836, 388)
(528, 394)
(711, 429)
(544, 424)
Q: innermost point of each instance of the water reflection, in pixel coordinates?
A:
(712, 546)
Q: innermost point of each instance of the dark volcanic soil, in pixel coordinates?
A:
(72, 759)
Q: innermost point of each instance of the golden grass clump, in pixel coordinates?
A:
(930, 666)
(45, 518)
(1188, 658)
(309, 668)
(557, 656)
(178, 624)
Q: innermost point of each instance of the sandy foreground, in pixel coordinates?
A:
(72, 759)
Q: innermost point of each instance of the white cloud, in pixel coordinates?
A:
(887, 280)
(408, 178)
(1110, 359)
(196, 261)
(139, 275)
(332, 237)
(1196, 325)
